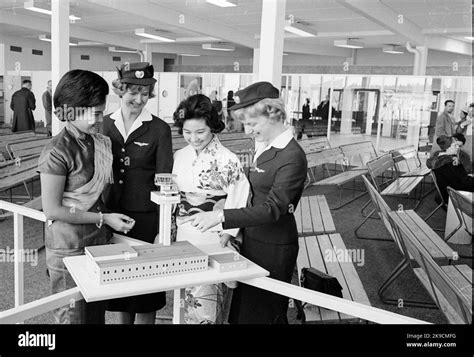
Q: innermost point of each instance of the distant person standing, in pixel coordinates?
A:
(323, 109)
(23, 103)
(48, 107)
(464, 122)
(217, 104)
(306, 110)
(445, 124)
(230, 100)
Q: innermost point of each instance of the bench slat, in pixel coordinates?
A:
(333, 268)
(460, 281)
(352, 278)
(341, 178)
(312, 313)
(466, 271)
(316, 220)
(424, 239)
(307, 222)
(316, 260)
(326, 216)
(446, 308)
(439, 243)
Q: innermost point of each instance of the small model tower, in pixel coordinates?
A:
(166, 197)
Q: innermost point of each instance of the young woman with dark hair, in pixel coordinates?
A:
(75, 167)
(209, 178)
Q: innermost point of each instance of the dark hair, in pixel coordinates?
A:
(444, 142)
(471, 105)
(459, 137)
(26, 81)
(79, 89)
(448, 101)
(230, 94)
(198, 106)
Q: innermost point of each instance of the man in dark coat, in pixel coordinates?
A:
(23, 103)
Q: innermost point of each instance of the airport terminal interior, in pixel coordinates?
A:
(364, 84)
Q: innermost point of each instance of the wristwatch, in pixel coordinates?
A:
(220, 215)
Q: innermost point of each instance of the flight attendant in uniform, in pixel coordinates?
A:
(141, 145)
(270, 236)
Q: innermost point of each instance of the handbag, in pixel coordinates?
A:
(316, 280)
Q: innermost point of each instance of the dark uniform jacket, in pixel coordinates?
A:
(147, 151)
(23, 103)
(276, 186)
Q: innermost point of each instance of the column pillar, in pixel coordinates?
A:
(255, 67)
(422, 59)
(271, 41)
(59, 49)
(148, 54)
(346, 115)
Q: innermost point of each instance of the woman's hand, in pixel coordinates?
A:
(202, 221)
(225, 238)
(119, 222)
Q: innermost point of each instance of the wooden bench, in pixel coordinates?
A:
(396, 185)
(321, 252)
(359, 154)
(22, 149)
(313, 216)
(322, 159)
(310, 128)
(6, 139)
(15, 173)
(344, 175)
(314, 144)
(449, 286)
(426, 237)
(408, 162)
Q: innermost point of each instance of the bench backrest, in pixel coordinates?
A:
(328, 156)
(13, 167)
(406, 156)
(379, 166)
(314, 144)
(27, 147)
(381, 208)
(4, 137)
(358, 154)
(436, 276)
(462, 206)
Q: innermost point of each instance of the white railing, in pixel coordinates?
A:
(22, 312)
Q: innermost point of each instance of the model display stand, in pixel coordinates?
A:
(143, 262)
(166, 197)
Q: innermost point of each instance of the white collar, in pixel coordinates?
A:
(280, 142)
(145, 115)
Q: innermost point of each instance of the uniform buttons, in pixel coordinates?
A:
(120, 182)
(123, 149)
(121, 160)
(122, 170)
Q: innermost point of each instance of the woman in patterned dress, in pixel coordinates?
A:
(209, 177)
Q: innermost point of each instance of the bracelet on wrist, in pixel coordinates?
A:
(101, 220)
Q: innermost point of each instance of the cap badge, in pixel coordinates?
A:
(236, 100)
(139, 74)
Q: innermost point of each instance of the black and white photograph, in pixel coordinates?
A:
(296, 173)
